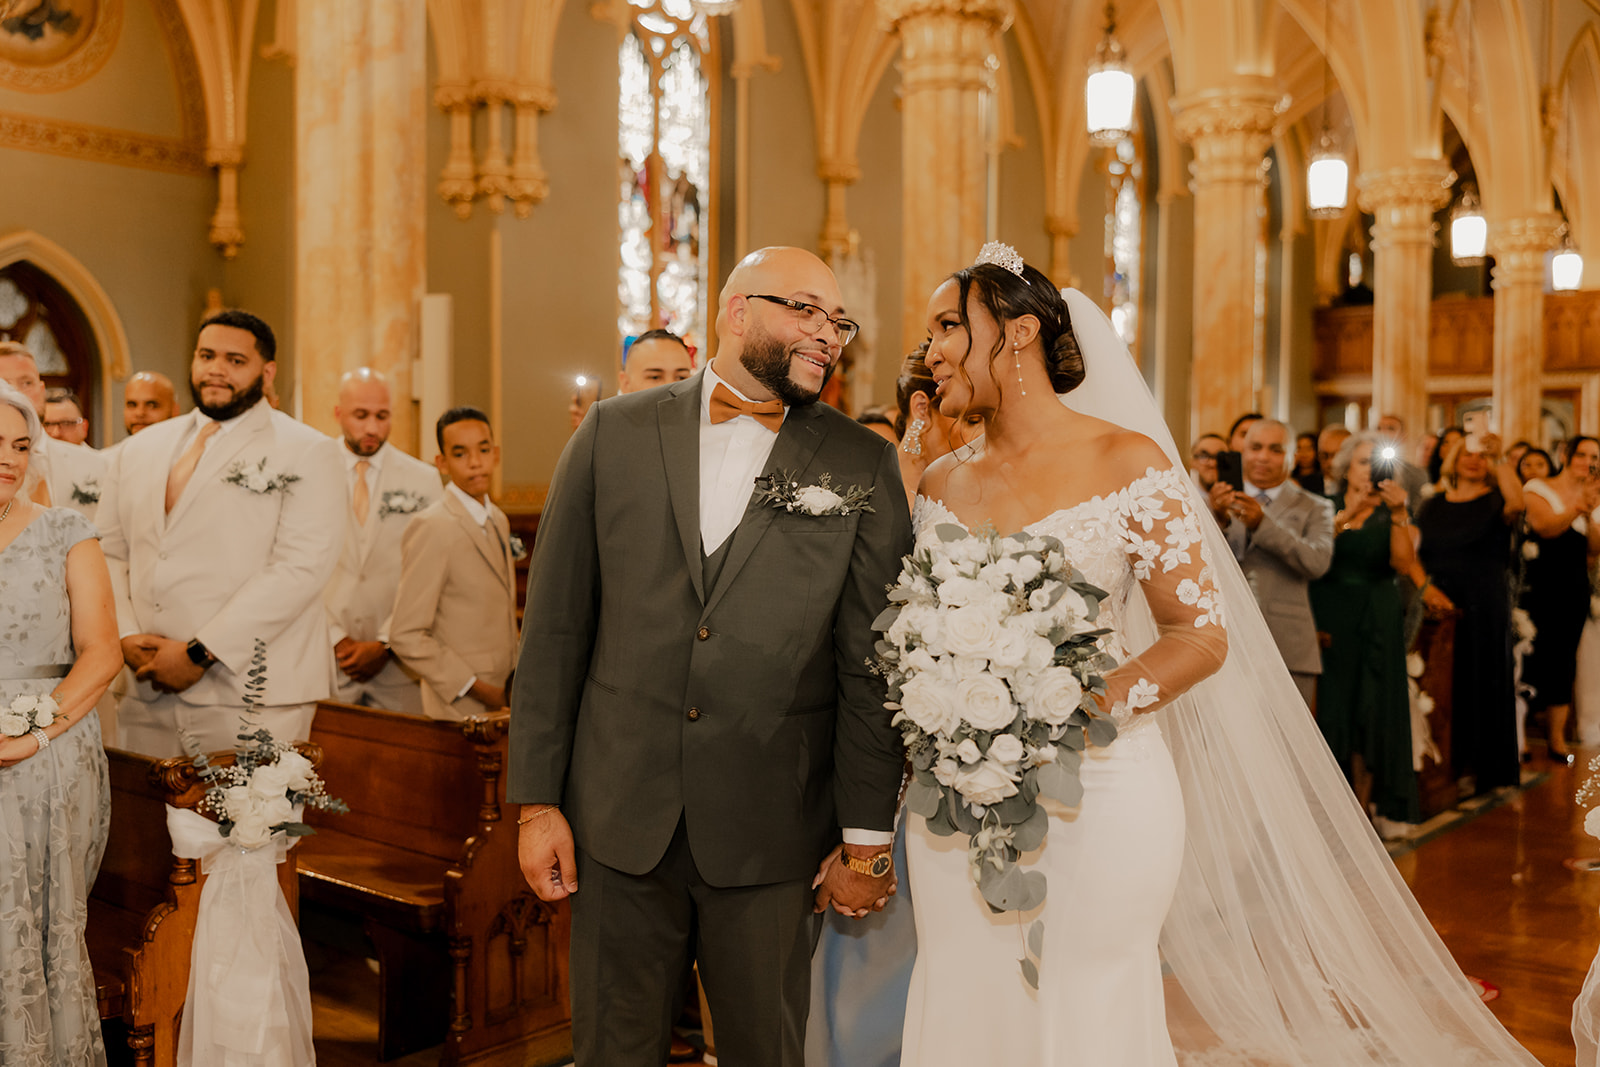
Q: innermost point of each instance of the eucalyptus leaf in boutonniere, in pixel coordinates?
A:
(86, 493)
(784, 492)
(519, 551)
(258, 479)
(400, 502)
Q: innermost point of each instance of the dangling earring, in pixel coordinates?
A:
(1017, 355)
(912, 445)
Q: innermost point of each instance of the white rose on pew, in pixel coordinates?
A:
(252, 831)
(237, 802)
(277, 811)
(271, 781)
(1591, 822)
(299, 770)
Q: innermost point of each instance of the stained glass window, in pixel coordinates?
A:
(664, 149)
(1124, 171)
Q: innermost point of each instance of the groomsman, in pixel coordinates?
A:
(656, 357)
(64, 419)
(387, 489)
(217, 526)
(455, 612)
(60, 474)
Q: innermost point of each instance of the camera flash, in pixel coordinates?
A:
(1388, 453)
(582, 381)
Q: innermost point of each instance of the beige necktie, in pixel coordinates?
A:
(183, 470)
(361, 499)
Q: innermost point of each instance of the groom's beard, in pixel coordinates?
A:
(768, 362)
(241, 402)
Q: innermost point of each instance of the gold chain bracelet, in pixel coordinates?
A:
(534, 815)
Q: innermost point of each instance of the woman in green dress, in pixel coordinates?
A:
(1363, 701)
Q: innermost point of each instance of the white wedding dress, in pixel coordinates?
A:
(1216, 836)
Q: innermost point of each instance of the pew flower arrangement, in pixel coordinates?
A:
(269, 782)
(1586, 793)
(992, 661)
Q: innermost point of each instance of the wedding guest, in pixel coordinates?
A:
(656, 357)
(1562, 534)
(1447, 440)
(1515, 453)
(387, 488)
(63, 417)
(1465, 551)
(585, 393)
(1535, 463)
(1203, 459)
(455, 611)
(1283, 538)
(60, 641)
(923, 433)
(1307, 473)
(60, 474)
(1329, 441)
(1240, 427)
(1363, 697)
(147, 399)
(222, 532)
(1407, 474)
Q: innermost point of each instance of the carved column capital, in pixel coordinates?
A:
(1423, 182)
(1230, 130)
(996, 12)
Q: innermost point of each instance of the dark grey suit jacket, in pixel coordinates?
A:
(1291, 547)
(748, 707)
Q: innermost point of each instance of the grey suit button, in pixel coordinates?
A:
(703, 633)
(694, 714)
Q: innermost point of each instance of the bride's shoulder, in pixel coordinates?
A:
(1125, 456)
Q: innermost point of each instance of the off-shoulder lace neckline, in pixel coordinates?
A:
(1150, 474)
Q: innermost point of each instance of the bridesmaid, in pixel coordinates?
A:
(58, 636)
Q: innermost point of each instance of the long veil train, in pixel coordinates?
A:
(1292, 934)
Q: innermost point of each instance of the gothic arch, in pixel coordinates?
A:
(101, 313)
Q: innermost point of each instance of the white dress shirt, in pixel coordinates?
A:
(479, 510)
(732, 456)
(375, 464)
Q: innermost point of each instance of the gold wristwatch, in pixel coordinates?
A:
(874, 866)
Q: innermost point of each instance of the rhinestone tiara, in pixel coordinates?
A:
(1002, 255)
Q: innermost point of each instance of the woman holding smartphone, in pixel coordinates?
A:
(1562, 534)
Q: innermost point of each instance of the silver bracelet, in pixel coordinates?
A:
(40, 736)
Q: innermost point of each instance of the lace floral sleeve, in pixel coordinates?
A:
(1161, 534)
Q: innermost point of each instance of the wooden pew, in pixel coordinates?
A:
(427, 860)
(145, 902)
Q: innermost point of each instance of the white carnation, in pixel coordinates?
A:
(985, 702)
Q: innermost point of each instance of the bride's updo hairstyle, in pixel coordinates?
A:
(1005, 296)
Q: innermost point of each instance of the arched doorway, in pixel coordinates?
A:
(36, 312)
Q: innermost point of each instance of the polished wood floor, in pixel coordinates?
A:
(1493, 879)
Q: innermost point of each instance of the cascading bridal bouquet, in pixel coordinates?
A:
(992, 661)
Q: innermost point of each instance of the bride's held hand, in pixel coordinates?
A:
(850, 893)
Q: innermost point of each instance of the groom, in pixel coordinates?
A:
(693, 724)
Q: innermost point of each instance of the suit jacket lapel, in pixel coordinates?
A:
(798, 441)
(481, 538)
(678, 420)
(221, 453)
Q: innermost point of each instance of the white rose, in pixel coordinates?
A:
(918, 660)
(997, 575)
(44, 713)
(971, 631)
(928, 702)
(277, 811)
(298, 768)
(12, 725)
(270, 782)
(1012, 649)
(256, 480)
(816, 499)
(1028, 568)
(970, 553)
(960, 592)
(1039, 599)
(1041, 652)
(967, 751)
(1006, 748)
(945, 569)
(985, 702)
(1591, 822)
(252, 831)
(923, 621)
(1056, 693)
(986, 783)
(945, 771)
(1071, 610)
(24, 705)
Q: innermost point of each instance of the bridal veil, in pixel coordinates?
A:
(1292, 936)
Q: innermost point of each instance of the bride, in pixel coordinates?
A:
(1216, 834)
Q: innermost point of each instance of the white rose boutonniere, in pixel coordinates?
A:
(784, 492)
(258, 479)
(519, 550)
(86, 492)
(399, 502)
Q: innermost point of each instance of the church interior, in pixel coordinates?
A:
(1327, 211)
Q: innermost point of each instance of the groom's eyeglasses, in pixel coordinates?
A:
(812, 317)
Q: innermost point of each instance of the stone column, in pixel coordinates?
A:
(835, 240)
(361, 198)
(1230, 130)
(1519, 247)
(1402, 201)
(945, 80)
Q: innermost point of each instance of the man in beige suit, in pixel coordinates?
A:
(60, 473)
(222, 530)
(455, 613)
(387, 490)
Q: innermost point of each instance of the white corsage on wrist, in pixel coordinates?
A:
(784, 492)
(258, 479)
(28, 713)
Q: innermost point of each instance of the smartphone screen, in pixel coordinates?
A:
(1476, 424)
(1230, 470)
(1384, 461)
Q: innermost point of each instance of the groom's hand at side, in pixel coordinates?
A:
(849, 892)
(545, 851)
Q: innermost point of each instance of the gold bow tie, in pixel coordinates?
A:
(726, 404)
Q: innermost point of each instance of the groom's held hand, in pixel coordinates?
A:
(545, 851)
(851, 893)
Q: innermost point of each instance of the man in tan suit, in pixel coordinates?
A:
(387, 490)
(455, 621)
(60, 473)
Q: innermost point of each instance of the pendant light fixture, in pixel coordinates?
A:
(1469, 232)
(1328, 173)
(1108, 94)
(1566, 266)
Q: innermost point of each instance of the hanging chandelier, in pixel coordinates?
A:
(1328, 173)
(1469, 233)
(1566, 266)
(1108, 94)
